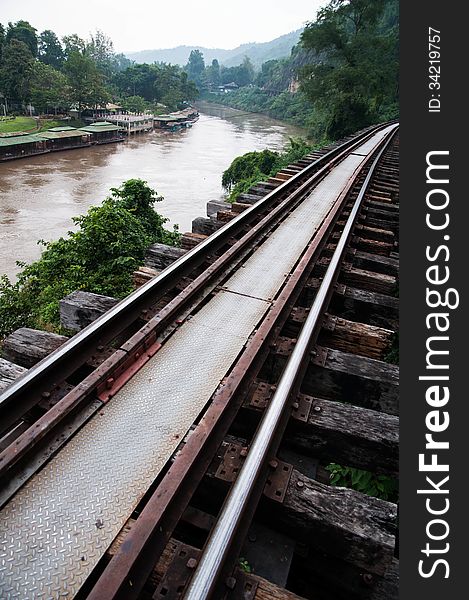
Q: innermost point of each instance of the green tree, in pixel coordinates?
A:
(16, 70)
(248, 69)
(86, 82)
(213, 73)
(267, 72)
(196, 66)
(101, 49)
(2, 42)
(49, 88)
(22, 31)
(50, 50)
(121, 62)
(354, 79)
(156, 83)
(137, 80)
(188, 88)
(73, 43)
(135, 104)
(242, 74)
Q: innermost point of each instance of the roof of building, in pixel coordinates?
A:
(101, 126)
(62, 132)
(14, 133)
(166, 118)
(21, 139)
(63, 128)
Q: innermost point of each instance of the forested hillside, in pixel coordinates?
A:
(256, 52)
(341, 76)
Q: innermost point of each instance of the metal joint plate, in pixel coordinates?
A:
(277, 483)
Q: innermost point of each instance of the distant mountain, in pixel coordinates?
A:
(258, 53)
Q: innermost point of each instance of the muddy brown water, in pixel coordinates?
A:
(39, 195)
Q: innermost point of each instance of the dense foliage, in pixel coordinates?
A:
(53, 74)
(157, 83)
(286, 106)
(109, 243)
(341, 77)
(354, 80)
(248, 169)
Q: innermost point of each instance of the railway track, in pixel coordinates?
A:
(195, 418)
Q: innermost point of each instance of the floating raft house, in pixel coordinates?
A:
(104, 133)
(62, 138)
(22, 144)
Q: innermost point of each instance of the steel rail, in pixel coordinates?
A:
(124, 358)
(212, 560)
(19, 396)
(126, 574)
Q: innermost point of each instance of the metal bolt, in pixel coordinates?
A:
(100, 348)
(137, 355)
(299, 484)
(45, 394)
(230, 583)
(296, 406)
(273, 464)
(252, 537)
(367, 578)
(191, 563)
(243, 452)
(317, 409)
(109, 383)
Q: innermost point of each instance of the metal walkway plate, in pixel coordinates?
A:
(264, 273)
(58, 526)
(368, 146)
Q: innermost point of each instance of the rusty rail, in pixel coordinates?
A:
(25, 392)
(242, 499)
(129, 569)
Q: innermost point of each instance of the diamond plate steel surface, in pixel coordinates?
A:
(57, 527)
(264, 272)
(368, 146)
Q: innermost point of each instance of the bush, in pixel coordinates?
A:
(249, 165)
(248, 169)
(380, 486)
(100, 257)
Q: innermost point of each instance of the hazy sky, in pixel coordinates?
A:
(147, 24)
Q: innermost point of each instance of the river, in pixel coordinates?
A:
(39, 195)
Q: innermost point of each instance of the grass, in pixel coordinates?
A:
(49, 123)
(28, 124)
(17, 124)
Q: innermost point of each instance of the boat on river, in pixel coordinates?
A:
(172, 122)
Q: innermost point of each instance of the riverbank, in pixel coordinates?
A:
(40, 195)
(288, 107)
(23, 124)
(101, 130)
